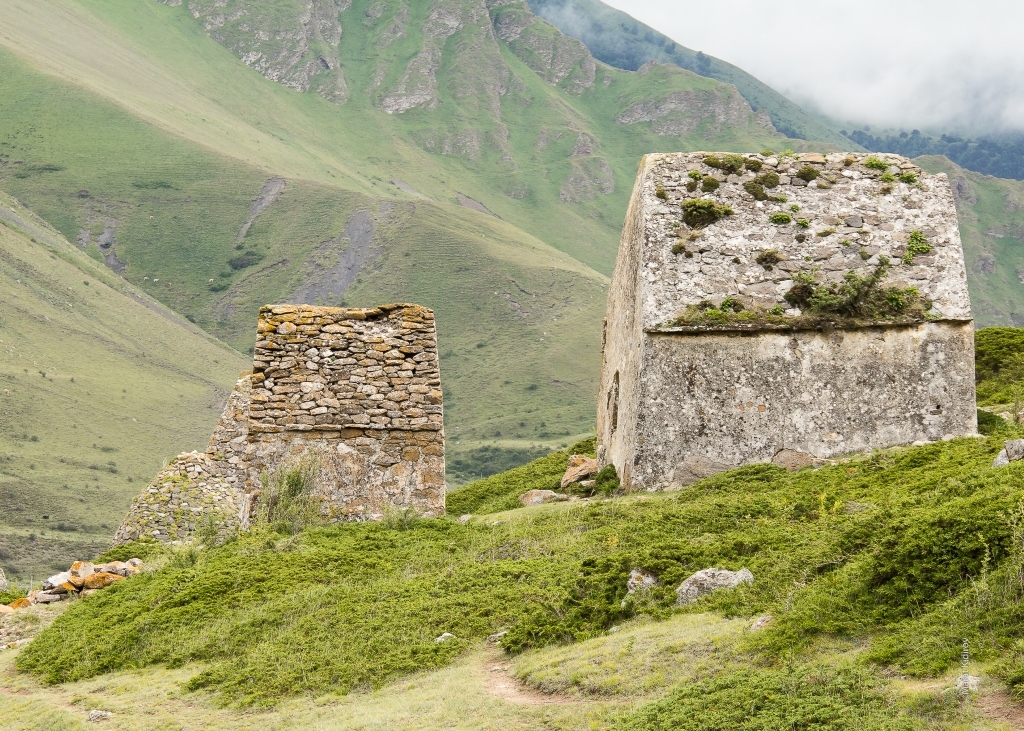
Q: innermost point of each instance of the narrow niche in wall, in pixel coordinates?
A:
(613, 402)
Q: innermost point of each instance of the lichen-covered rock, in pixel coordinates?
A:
(1012, 451)
(539, 497)
(707, 581)
(20, 603)
(580, 467)
(101, 580)
(792, 460)
(57, 580)
(640, 580)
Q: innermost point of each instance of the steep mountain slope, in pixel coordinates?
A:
(621, 41)
(442, 152)
(98, 384)
(215, 239)
(496, 113)
(991, 212)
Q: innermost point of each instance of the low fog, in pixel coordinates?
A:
(937, 65)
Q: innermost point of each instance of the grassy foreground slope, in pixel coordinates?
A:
(98, 385)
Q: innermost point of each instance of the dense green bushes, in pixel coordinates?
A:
(501, 492)
(889, 550)
(999, 365)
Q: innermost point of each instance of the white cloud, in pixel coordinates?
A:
(933, 64)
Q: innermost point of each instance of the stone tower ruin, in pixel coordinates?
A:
(357, 391)
(782, 309)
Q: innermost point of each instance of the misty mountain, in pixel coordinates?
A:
(620, 40)
(999, 155)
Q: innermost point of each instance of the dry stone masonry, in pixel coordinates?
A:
(356, 391)
(768, 308)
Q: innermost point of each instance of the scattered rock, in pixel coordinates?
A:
(792, 460)
(538, 497)
(120, 568)
(463, 519)
(44, 597)
(1013, 450)
(761, 622)
(496, 637)
(580, 467)
(813, 157)
(95, 716)
(854, 221)
(57, 580)
(968, 682)
(4, 609)
(81, 569)
(706, 581)
(82, 579)
(3, 581)
(101, 580)
(445, 637)
(640, 580)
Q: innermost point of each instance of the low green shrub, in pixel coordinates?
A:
(999, 366)
(916, 244)
(769, 179)
(892, 551)
(709, 184)
(803, 223)
(808, 173)
(756, 190)
(815, 696)
(780, 219)
(501, 492)
(860, 297)
(701, 212)
(753, 164)
(991, 424)
(6, 597)
(874, 163)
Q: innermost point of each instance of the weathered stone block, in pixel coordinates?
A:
(681, 401)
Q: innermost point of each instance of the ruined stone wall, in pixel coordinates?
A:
(355, 391)
(772, 382)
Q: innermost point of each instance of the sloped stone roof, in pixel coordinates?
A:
(854, 216)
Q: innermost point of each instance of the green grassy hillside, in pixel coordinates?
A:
(518, 320)
(551, 161)
(991, 212)
(99, 384)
